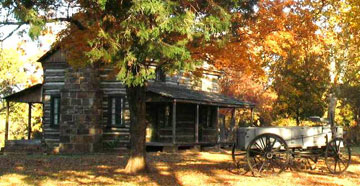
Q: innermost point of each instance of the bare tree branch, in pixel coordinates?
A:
(68, 19)
(13, 23)
(11, 33)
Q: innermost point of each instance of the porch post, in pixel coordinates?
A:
(197, 124)
(7, 121)
(217, 125)
(29, 122)
(174, 122)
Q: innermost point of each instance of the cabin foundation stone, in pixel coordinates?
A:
(81, 112)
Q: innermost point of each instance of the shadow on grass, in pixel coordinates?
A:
(108, 169)
(100, 169)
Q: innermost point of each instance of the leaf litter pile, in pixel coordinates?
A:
(184, 168)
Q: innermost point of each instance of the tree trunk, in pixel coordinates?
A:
(137, 160)
(331, 110)
(297, 118)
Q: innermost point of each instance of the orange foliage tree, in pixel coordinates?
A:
(265, 50)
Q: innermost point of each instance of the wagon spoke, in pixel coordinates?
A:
(262, 143)
(267, 139)
(339, 162)
(258, 146)
(256, 163)
(342, 162)
(272, 145)
(262, 166)
(256, 152)
(338, 147)
(333, 148)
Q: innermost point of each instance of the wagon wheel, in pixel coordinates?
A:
(267, 154)
(337, 156)
(238, 157)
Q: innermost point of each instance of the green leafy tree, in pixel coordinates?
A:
(13, 77)
(132, 36)
(11, 66)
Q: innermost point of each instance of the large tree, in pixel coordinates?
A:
(131, 36)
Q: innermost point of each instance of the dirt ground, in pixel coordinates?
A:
(184, 168)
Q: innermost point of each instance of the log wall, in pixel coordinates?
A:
(54, 74)
(114, 137)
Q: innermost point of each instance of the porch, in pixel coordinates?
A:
(182, 117)
(30, 96)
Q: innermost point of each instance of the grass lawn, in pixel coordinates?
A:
(184, 168)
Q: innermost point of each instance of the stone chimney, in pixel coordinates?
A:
(80, 112)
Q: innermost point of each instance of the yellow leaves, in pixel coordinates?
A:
(279, 42)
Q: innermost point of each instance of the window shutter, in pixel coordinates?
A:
(55, 111)
(52, 111)
(109, 111)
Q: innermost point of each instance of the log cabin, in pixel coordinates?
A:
(86, 109)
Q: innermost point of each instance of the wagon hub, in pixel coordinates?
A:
(269, 155)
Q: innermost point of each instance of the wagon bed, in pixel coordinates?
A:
(295, 137)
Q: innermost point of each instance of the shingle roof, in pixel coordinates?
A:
(28, 95)
(183, 94)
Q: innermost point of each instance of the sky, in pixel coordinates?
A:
(30, 47)
(32, 50)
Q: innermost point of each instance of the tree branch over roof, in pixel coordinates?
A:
(77, 23)
(11, 33)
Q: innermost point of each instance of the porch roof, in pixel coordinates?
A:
(28, 95)
(183, 94)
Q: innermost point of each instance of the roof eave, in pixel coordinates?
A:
(48, 54)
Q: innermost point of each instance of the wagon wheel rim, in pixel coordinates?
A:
(236, 155)
(239, 159)
(267, 154)
(337, 156)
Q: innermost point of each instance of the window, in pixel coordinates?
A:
(55, 111)
(116, 115)
(206, 117)
(163, 116)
